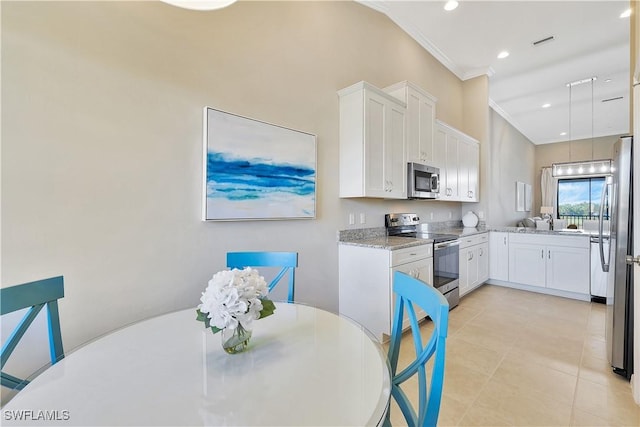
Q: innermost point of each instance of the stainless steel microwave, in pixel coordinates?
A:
(423, 182)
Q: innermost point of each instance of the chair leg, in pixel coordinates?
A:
(56, 350)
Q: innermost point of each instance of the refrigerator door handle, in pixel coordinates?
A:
(603, 196)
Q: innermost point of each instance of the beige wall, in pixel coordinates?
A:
(101, 142)
(511, 159)
(476, 123)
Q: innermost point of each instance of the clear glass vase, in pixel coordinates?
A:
(235, 340)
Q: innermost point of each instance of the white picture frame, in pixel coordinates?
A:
(520, 196)
(527, 197)
(253, 170)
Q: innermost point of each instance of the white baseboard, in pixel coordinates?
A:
(540, 290)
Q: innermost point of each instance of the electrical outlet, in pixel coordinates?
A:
(352, 219)
(363, 219)
(450, 214)
(481, 214)
(431, 216)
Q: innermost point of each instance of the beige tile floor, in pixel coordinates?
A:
(517, 358)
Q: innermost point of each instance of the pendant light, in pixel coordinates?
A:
(586, 168)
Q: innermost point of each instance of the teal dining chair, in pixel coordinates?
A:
(409, 291)
(287, 260)
(32, 295)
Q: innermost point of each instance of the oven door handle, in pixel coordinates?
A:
(446, 244)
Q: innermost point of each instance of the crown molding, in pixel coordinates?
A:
(417, 35)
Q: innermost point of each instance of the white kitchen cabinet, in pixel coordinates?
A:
(420, 269)
(366, 282)
(445, 157)
(499, 255)
(469, 160)
(555, 262)
(372, 143)
(458, 156)
(474, 262)
(527, 264)
(484, 257)
(420, 120)
(568, 269)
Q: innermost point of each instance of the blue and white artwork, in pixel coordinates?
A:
(256, 170)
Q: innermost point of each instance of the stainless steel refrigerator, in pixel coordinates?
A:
(619, 298)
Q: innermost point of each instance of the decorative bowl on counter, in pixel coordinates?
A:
(470, 219)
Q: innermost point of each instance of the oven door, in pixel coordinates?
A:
(446, 273)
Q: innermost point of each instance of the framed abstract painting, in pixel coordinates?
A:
(255, 170)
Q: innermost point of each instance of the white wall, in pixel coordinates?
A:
(101, 142)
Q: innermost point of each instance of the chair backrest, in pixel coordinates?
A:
(287, 260)
(411, 291)
(32, 295)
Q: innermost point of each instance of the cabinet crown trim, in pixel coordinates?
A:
(360, 86)
(448, 126)
(406, 83)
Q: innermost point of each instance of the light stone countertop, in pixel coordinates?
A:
(377, 238)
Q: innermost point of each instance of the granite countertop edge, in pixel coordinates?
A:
(376, 238)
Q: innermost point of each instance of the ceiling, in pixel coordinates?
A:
(590, 40)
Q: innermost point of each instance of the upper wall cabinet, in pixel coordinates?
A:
(469, 161)
(420, 120)
(458, 157)
(372, 143)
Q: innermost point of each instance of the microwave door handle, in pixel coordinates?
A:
(603, 196)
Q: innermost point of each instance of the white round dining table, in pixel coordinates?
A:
(304, 367)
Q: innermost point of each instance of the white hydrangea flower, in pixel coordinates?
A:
(232, 297)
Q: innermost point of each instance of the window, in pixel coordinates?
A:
(579, 199)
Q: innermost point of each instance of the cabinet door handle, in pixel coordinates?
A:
(542, 254)
(481, 252)
(505, 240)
(549, 254)
(470, 257)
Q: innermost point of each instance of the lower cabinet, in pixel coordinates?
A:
(366, 282)
(421, 269)
(474, 262)
(499, 255)
(551, 261)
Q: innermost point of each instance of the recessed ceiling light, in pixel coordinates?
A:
(608, 81)
(563, 133)
(626, 13)
(450, 5)
(503, 54)
(546, 105)
(200, 4)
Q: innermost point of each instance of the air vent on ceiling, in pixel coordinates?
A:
(613, 99)
(544, 40)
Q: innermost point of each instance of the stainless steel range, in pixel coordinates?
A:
(446, 253)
